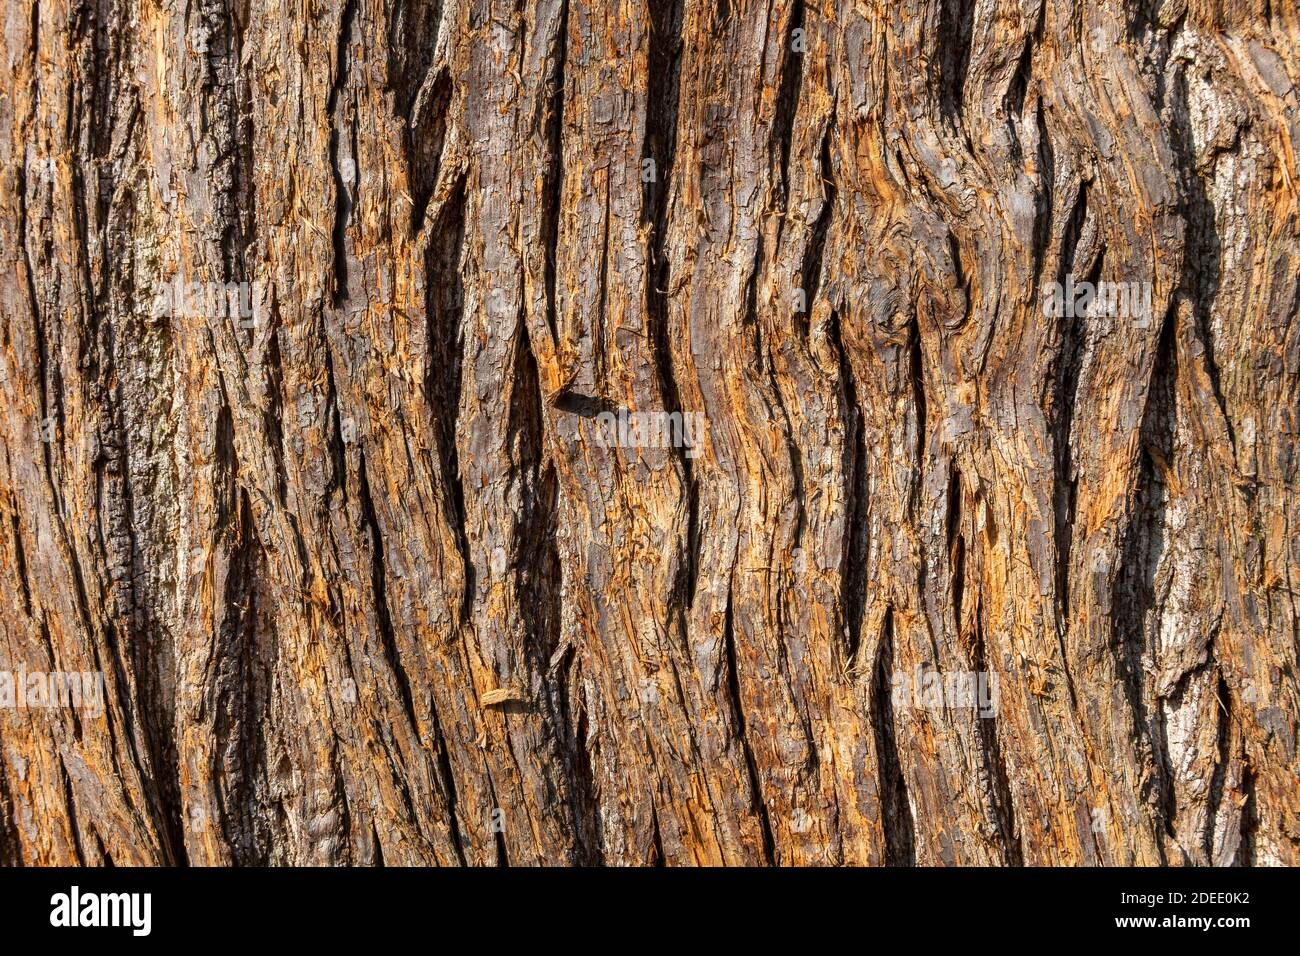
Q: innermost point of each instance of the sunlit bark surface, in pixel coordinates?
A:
(368, 577)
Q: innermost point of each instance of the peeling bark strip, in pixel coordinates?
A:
(676, 432)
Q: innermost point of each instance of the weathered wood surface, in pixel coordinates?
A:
(366, 583)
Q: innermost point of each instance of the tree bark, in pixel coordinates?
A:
(369, 581)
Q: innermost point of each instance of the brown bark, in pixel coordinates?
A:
(368, 582)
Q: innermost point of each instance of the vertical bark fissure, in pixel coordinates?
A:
(896, 811)
(853, 567)
(1223, 755)
(787, 102)
(11, 853)
(554, 190)
(812, 260)
(444, 333)
(540, 595)
(1202, 258)
(1066, 371)
(742, 734)
(237, 726)
(1044, 197)
(379, 587)
(20, 567)
(662, 98)
(956, 36)
(920, 411)
(343, 193)
(956, 548)
(74, 826)
(1003, 804)
(1135, 623)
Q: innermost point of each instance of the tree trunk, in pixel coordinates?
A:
(623, 431)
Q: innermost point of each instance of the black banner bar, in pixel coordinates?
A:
(513, 908)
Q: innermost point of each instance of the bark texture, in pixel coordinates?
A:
(366, 583)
